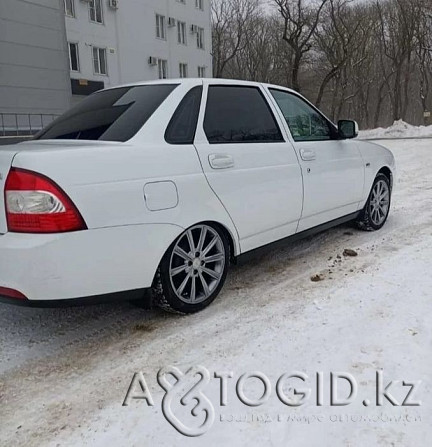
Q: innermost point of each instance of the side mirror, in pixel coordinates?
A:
(348, 129)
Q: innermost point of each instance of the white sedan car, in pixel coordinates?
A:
(153, 189)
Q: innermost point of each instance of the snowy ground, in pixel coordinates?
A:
(399, 129)
(64, 373)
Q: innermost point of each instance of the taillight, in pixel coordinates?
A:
(12, 293)
(35, 204)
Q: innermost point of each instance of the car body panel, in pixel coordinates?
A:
(328, 169)
(329, 189)
(262, 191)
(7, 154)
(375, 158)
(85, 263)
(98, 174)
(137, 198)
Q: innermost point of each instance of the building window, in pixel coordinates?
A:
(200, 38)
(99, 61)
(69, 8)
(163, 68)
(199, 4)
(183, 69)
(96, 14)
(181, 31)
(181, 1)
(160, 27)
(201, 72)
(73, 57)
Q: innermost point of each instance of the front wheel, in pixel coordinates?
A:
(193, 270)
(377, 208)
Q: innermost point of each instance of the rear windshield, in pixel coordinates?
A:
(109, 115)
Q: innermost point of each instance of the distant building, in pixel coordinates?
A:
(34, 72)
(113, 42)
(55, 52)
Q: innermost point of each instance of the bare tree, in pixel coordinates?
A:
(370, 60)
(424, 58)
(301, 19)
(337, 40)
(398, 20)
(231, 19)
(264, 57)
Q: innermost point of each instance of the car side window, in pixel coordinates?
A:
(237, 114)
(182, 127)
(305, 123)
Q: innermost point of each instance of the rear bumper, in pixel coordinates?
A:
(142, 295)
(95, 263)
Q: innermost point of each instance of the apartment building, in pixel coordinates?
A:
(55, 52)
(114, 42)
(34, 68)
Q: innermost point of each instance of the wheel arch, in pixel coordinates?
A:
(233, 244)
(388, 173)
(162, 290)
(379, 168)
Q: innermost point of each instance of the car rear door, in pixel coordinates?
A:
(248, 162)
(333, 169)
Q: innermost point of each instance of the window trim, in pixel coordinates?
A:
(183, 65)
(102, 12)
(267, 103)
(200, 39)
(203, 69)
(163, 64)
(199, 4)
(106, 60)
(182, 32)
(333, 128)
(163, 29)
(73, 15)
(70, 57)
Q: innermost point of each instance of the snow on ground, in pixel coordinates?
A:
(399, 129)
(64, 373)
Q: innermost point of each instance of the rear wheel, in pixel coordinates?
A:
(377, 208)
(193, 270)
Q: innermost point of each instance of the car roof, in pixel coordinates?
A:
(199, 81)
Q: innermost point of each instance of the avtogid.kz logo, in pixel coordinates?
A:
(190, 411)
(179, 392)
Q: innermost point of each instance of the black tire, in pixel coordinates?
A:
(367, 220)
(165, 288)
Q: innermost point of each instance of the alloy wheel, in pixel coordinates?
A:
(197, 264)
(379, 203)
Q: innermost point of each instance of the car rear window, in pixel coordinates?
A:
(109, 115)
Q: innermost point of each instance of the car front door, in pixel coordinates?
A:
(248, 163)
(333, 168)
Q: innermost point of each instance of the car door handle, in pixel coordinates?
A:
(221, 161)
(307, 155)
